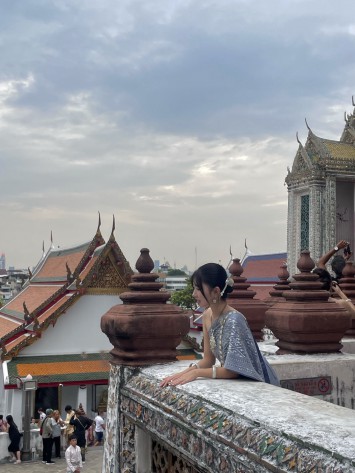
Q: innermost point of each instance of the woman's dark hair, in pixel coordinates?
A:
(324, 277)
(338, 264)
(67, 408)
(10, 421)
(213, 275)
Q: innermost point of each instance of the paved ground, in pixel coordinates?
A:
(93, 464)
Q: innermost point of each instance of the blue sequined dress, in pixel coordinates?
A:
(234, 346)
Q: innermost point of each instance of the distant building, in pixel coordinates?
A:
(51, 329)
(2, 261)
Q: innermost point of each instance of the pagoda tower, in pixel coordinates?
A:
(321, 194)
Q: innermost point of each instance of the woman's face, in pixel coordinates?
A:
(202, 298)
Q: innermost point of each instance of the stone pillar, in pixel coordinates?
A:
(308, 321)
(242, 299)
(347, 285)
(280, 287)
(144, 330)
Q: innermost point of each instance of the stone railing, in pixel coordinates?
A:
(36, 445)
(221, 425)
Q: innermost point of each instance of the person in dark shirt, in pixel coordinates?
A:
(81, 424)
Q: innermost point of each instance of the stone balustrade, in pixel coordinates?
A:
(221, 425)
(36, 445)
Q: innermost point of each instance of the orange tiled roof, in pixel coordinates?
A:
(7, 326)
(17, 341)
(54, 307)
(33, 296)
(62, 367)
(54, 267)
(263, 268)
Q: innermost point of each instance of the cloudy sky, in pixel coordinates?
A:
(177, 116)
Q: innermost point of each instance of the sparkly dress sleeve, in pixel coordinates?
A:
(240, 352)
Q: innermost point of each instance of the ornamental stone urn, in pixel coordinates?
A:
(144, 330)
(242, 299)
(308, 321)
(280, 287)
(347, 285)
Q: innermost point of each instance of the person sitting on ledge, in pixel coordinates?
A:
(227, 336)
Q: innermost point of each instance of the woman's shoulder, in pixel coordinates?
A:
(234, 315)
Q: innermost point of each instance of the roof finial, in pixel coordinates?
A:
(345, 119)
(308, 125)
(298, 140)
(44, 253)
(113, 225)
(352, 99)
(29, 273)
(70, 277)
(99, 224)
(52, 246)
(26, 312)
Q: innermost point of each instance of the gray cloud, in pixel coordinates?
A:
(179, 117)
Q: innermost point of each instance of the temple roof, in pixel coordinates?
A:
(60, 278)
(320, 157)
(263, 268)
(65, 369)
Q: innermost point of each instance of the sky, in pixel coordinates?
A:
(178, 117)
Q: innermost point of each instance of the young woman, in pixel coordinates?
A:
(15, 438)
(227, 336)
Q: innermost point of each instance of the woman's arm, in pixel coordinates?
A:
(204, 368)
(323, 260)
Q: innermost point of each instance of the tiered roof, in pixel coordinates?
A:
(60, 278)
(320, 157)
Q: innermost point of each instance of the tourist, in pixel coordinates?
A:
(33, 424)
(42, 416)
(56, 434)
(73, 456)
(81, 424)
(99, 429)
(15, 437)
(47, 437)
(227, 336)
(3, 424)
(69, 429)
(337, 264)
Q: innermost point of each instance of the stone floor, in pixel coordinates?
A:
(93, 464)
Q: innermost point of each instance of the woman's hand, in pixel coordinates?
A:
(180, 378)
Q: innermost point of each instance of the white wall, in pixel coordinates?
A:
(77, 330)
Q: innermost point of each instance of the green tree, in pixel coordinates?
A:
(176, 272)
(184, 297)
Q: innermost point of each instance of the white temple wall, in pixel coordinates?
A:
(77, 330)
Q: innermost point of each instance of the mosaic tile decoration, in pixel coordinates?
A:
(216, 439)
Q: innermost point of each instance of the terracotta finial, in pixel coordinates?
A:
(236, 269)
(144, 329)
(305, 263)
(144, 263)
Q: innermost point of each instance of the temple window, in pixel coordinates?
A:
(305, 222)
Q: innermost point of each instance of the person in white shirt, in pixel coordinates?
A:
(73, 456)
(99, 429)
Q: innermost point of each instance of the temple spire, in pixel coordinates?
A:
(99, 223)
(113, 227)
